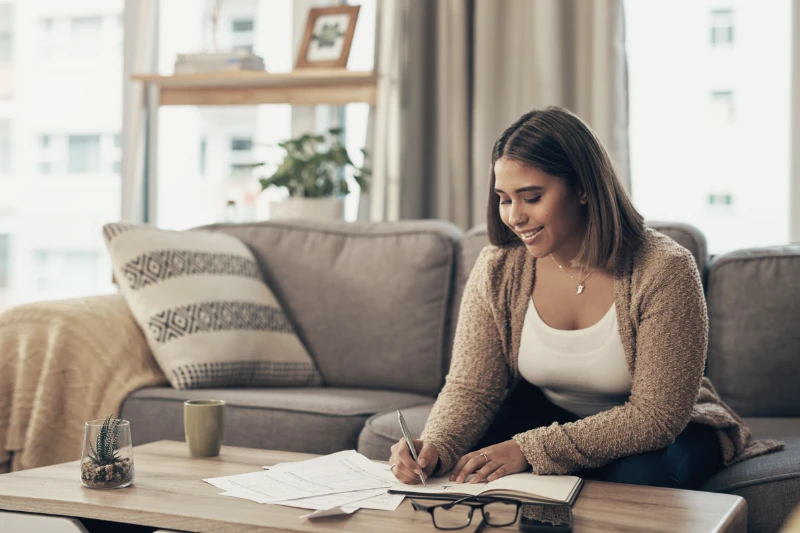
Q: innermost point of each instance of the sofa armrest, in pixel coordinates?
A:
(62, 363)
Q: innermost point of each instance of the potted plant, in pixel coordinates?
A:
(107, 454)
(313, 173)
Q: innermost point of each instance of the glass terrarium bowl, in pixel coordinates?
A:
(107, 457)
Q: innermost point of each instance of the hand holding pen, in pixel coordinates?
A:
(412, 460)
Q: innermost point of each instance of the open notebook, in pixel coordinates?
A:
(523, 487)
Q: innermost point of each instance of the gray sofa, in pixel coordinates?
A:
(376, 305)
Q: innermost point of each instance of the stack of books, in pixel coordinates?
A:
(235, 60)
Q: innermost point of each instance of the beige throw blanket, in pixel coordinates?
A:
(63, 363)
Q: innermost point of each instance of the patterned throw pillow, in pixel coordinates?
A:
(209, 317)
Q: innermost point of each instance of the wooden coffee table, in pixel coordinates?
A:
(169, 493)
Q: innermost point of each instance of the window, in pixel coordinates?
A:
(722, 109)
(721, 27)
(720, 199)
(73, 260)
(241, 144)
(709, 132)
(242, 34)
(84, 153)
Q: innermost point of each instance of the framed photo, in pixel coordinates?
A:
(328, 36)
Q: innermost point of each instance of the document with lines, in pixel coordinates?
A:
(345, 479)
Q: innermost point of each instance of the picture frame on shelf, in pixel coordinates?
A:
(328, 37)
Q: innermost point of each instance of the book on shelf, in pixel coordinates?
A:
(523, 487)
(235, 60)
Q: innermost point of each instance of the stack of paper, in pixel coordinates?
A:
(338, 483)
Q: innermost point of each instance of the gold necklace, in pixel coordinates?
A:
(580, 283)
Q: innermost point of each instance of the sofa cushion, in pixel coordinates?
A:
(209, 318)
(382, 430)
(770, 484)
(370, 301)
(754, 338)
(312, 420)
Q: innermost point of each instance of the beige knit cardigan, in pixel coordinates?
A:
(663, 324)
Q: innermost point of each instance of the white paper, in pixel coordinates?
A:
(345, 480)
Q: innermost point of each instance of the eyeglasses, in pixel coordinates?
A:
(458, 514)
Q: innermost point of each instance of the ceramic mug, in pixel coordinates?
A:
(204, 424)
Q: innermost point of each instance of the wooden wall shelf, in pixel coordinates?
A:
(300, 87)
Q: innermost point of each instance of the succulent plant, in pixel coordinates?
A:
(104, 452)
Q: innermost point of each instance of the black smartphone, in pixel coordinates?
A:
(545, 518)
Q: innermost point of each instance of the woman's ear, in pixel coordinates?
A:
(582, 199)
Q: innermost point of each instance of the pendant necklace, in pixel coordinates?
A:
(580, 283)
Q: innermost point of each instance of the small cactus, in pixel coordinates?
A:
(104, 452)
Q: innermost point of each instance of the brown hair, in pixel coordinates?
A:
(557, 142)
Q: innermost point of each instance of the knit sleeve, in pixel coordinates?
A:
(670, 343)
(477, 382)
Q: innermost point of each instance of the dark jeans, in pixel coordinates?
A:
(686, 463)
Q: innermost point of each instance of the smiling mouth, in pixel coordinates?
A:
(531, 234)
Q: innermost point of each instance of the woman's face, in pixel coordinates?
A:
(540, 209)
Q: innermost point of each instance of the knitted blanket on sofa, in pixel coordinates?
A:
(63, 363)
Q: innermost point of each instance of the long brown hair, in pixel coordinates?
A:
(557, 142)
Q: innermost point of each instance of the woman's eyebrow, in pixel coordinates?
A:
(524, 189)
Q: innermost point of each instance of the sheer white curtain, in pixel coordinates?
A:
(140, 49)
(454, 73)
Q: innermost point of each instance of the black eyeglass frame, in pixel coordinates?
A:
(474, 502)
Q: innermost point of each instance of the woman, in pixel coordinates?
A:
(597, 324)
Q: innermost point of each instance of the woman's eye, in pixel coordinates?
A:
(532, 200)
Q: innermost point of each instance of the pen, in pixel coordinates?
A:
(411, 448)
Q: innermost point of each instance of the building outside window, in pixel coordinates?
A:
(707, 118)
(721, 27)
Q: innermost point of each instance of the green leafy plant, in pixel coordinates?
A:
(313, 167)
(104, 452)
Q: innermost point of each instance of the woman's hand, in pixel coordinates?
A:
(403, 466)
(503, 459)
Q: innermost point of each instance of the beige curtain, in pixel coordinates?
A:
(454, 73)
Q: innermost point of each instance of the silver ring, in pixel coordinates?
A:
(487, 459)
(391, 467)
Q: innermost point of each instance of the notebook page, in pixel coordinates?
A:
(552, 487)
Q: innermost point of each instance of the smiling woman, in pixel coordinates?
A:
(570, 183)
(581, 336)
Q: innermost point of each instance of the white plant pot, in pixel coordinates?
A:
(324, 209)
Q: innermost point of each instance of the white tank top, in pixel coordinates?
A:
(583, 371)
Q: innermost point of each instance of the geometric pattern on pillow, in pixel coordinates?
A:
(159, 265)
(209, 317)
(174, 323)
(239, 373)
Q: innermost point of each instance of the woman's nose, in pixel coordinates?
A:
(516, 217)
